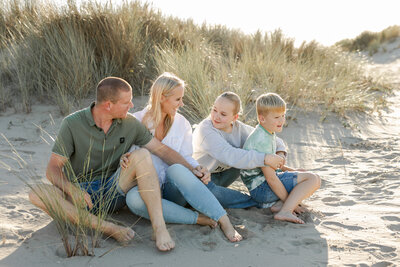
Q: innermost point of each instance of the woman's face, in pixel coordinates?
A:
(222, 114)
(170, 104)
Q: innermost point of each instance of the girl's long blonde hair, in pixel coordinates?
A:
(163, 86)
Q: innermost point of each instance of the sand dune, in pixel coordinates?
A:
(354, 219)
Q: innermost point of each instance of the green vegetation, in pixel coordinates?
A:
(370, 41)
(59, 54)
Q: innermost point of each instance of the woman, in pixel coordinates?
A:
(218, 142)
(178, 183)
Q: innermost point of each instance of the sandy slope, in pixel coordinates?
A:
(354, 218)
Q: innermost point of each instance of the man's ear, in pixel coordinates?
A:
(107, 105)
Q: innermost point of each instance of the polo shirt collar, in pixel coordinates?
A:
(89, 115)
(259, 125)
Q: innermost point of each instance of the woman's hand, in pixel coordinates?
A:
(203, 174)
(124, 161)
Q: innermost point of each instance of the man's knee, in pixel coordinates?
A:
(140, 155)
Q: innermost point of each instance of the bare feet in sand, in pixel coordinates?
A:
(164, 241)
(228, 230)
(288, 216)
(122, 234)
(278, 205)
(204, 220)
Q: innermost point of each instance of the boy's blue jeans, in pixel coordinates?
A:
(181, 186)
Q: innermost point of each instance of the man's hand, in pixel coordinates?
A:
(80, 197)
(203, 174)
(274, 161)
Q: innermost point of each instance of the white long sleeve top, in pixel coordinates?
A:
(219, 151)
(179, 138)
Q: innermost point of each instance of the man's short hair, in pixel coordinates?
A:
(270, 102)
(109, 88)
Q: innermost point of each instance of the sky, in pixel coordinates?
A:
(326, 21)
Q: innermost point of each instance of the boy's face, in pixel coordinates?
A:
(273, 121)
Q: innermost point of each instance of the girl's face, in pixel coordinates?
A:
(222, 114)
(170, 104)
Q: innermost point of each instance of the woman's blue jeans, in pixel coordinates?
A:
(181, 186)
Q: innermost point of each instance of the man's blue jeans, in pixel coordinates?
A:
(181, 186)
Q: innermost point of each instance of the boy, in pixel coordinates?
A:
(289, 187)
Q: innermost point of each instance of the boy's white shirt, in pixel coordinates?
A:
(179, 138)
(210, 143)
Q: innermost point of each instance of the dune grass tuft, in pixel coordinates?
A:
(58, 54)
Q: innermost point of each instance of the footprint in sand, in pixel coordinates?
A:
(337, 225)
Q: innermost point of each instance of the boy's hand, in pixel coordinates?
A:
(274, 161)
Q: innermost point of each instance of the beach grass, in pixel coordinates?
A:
(58, 54)
(370, 41)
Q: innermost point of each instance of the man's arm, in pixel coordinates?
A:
(169, 155)
(55, 175)
(273, 181)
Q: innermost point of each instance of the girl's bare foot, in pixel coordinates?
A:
(122, 234)
(228, 230)
(204, 220)
(288, 216)
(277, 206)
(164, 241)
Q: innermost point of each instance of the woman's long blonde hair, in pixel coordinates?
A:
(163, 86)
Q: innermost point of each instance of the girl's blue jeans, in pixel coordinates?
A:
(181, 186)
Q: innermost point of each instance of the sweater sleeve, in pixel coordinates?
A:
(217, 147)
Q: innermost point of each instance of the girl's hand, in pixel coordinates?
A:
(124, 161)
(205, 175)
(274, 161)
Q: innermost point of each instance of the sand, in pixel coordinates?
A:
(354, 219)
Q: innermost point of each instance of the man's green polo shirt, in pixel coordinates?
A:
(93, 154)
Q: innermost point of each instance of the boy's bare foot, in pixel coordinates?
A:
(164, 241)
(204, 220)
(300, 209)
(288, 216)
(122, 234)
(277, 206)
(228, 230)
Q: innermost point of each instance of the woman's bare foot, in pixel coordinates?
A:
(277, 206)
(122, 234)
(228, 230)
(288, 216)
(204, 220)
(164, 241)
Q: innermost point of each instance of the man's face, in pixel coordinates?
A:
(124, 103)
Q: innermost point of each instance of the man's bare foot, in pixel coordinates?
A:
(164, 241)
(288, 216)
(228, 230)
(204, 220)
(277, 206)
(122, 234)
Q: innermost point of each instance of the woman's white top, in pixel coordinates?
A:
(218, 151)
(179, 138)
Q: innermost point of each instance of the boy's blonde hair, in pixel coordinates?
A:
(270, 102)
(163, 86)
(235, 99)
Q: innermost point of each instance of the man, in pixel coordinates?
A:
(84, 164)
